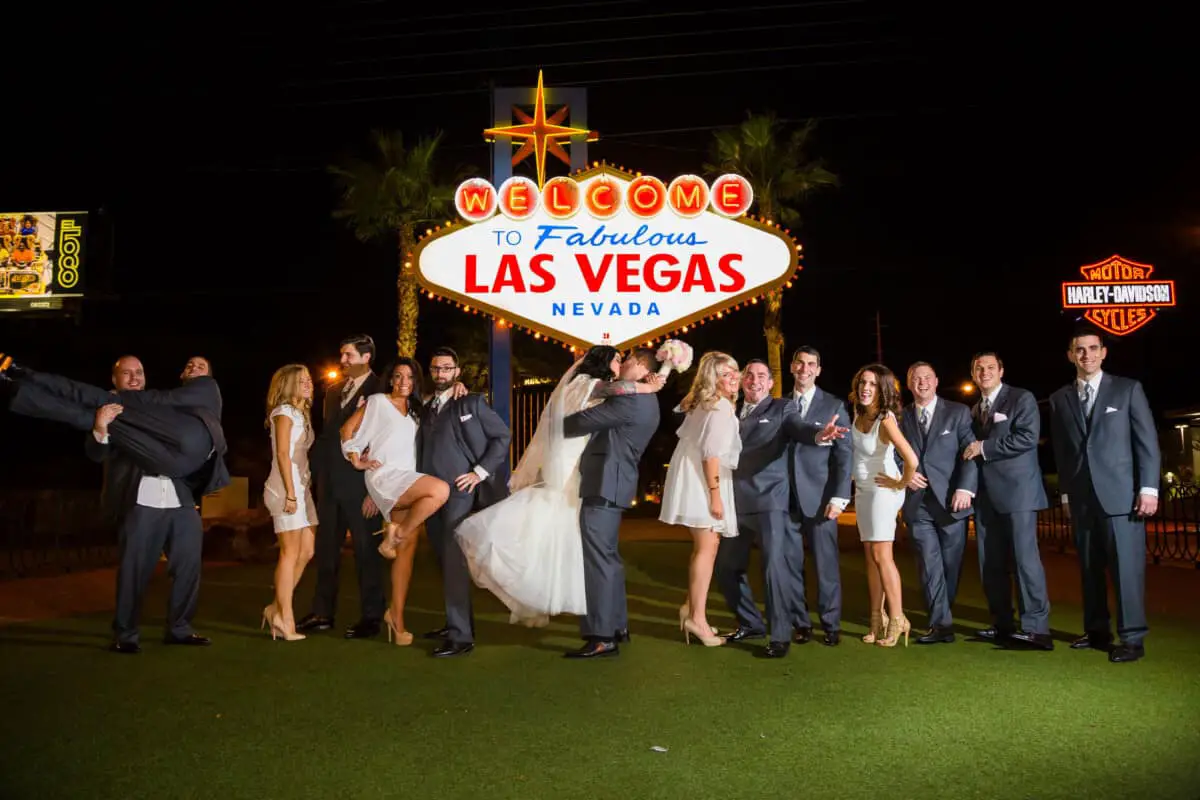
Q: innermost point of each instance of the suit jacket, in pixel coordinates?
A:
(620, 428)
(122, 478)
(821, 472)
(201, 398)
(1115, 453)
(939, 457)
(1010, 478)
(761, 481)
(329, 467)
(464, 434)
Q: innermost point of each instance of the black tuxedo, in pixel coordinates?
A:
(341, 490)
(939, 534)
(461, 435)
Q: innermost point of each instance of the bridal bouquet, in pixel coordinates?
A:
(674, 355)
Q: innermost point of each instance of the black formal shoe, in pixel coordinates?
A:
(313, 623)
(993, 635)
(776, 650)
(1126, 652)
(937, 636)
(832, 638)
(743, 633)
(597, 648)
(440, 633)
(193, 639)
(363, 629)
(803, 635)
(449, 649)
(622, 635)
(1041, 641)
(1092, 641)
(126, 648)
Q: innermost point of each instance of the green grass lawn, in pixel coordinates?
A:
(329, 718)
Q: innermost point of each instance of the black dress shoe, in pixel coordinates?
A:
(127, 648)
(803, 635)
(440, 633)
(1092, 641)
(313, 623)
(743, 633)
(937, 636)
(193, 639)
(1041, 641)
(363, 629)
(597, 648)
(832, 638)
(776, 649)
(993, 635)
(450, 649)
(1126, 652)
(622, 635)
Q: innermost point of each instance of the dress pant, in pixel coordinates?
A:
(144, 533)
(456, 576)
(770, 530)
(1113, 545)
(339, 513)
(821, 535)
(939, 540)
(603, 570)
(1005, 539)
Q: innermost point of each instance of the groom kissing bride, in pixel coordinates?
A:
(551, 547)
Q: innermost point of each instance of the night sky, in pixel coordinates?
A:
(983, 159)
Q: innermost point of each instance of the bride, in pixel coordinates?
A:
(527, 549)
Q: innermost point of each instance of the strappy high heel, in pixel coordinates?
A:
(277, 630)
(878, 627)
(402, 638)
(896, 626)
(387, 548)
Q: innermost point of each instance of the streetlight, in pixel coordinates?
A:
(967, 387)
(332, 375)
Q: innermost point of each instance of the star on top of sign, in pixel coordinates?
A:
(540, 133)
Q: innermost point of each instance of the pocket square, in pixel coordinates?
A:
(1110, 409)
(464, 418)
(998, 417)
(763, 421)
(944, 433)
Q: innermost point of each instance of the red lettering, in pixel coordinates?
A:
(594, 278)
(737, 279)
(651, 274)
(535, 266)
(698, 274)
(509, 274)
(626, 269)
(473, 284)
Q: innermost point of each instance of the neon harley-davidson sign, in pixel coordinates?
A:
(605, 256)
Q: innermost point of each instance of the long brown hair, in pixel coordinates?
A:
(887, 391)
(285, 388)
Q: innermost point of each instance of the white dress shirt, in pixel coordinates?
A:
(804, 401)
(1094, 382)
(991, 399)
(442, 399)
(154, 491)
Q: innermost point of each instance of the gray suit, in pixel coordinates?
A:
(1104, 461)
(1011, 493)
(819, 473)
(620, 428)
(939, 533)
(760, 493)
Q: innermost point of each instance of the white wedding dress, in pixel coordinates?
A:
(527, 549)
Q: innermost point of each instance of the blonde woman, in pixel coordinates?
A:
(287, 494)
(699, 488)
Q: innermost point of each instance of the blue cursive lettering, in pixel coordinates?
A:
(600, 237)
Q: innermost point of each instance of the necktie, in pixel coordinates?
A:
(748, 409)
(803, 406)
(985, 410)
(436, 405)
(346, 391)
(1085, 400)
(925, 420)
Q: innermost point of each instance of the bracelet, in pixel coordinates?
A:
(292, 499)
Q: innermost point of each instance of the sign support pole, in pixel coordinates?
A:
(500, 338)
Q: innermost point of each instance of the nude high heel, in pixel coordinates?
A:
(402, 638)
(896, 626)
(387, 547)
(878, 627)
(691, 629)
(685, 611)
(272, 619)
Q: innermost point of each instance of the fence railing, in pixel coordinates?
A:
(1173, 534)
(53, 530)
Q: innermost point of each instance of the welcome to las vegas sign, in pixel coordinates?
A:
(605, 256)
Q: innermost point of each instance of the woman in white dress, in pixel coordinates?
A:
(698, 491)
(287, 494)
(527, 549)
(385, 430)
(879, 494)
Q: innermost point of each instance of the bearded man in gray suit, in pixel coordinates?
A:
(1108, 460)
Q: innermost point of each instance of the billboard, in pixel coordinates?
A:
(41, 259)
(1119, 295)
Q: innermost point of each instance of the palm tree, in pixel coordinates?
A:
(782, 175)
(394, 193)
